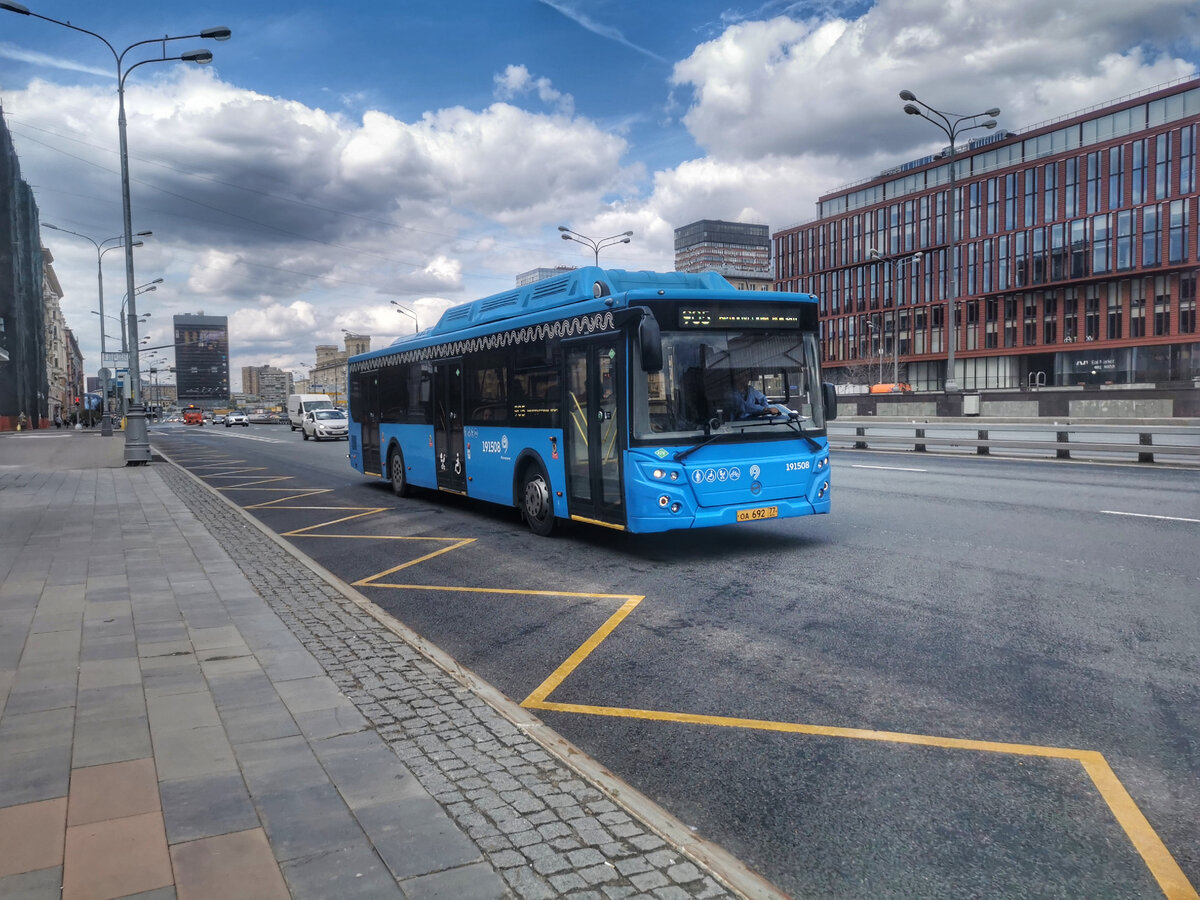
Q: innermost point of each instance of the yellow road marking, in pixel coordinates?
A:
(1158, 859)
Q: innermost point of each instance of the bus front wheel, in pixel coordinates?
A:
(537, 505)
(396, 473)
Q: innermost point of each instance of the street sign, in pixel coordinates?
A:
(116, 360)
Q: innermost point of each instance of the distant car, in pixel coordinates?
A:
(218, 418)
(263, 418)
(236, 418)
(193, 416)
(321, 424)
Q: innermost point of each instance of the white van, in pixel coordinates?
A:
(299, 404)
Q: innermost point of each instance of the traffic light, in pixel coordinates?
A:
(76, 401)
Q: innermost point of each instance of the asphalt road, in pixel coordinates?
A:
(977, 677)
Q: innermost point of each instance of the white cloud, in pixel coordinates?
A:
(794, 87)
(516, 81)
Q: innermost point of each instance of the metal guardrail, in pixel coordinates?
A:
(1140, 442)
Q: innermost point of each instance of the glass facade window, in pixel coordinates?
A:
(1116, 178)
(1101, 251)
(1137, 308)
(1050, 192)
(1126, 239)
(1094, 176)
(1115, 311)
(1030, 205)
(1138, 173)
(1151, 238)
(1178, 232)
(1071, 186)
(1187, 160)
(1162, 306)
(1187, 302)
(1162, 167)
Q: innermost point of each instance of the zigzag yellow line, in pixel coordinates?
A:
(1145, 839)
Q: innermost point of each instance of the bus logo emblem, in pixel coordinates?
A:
(755, 471)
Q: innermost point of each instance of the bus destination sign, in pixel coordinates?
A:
(741, 315)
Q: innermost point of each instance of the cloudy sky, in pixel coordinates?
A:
(335, 157)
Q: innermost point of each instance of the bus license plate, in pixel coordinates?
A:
(761, 512)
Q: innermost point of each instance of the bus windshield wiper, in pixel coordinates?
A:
(712, 436)
(795, 420)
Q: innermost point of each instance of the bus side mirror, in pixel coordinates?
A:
(829, 398)
(650, 343)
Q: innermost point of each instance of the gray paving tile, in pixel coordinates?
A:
(34, 775)
(51, 696)
(274, 766)
(307, 820)
(240, 689)
(181, 712)
(323, 723)
(114, 701)
(474, 882)
(206, 806)
(307, 694)
(416, 837)
(100, 740)
(51, 645)
(44, 884)
(366, 771)
(251, 724)
(347, 873)
(109, 673)
(175, 679)
(36, 730)
(286, 665)
(193, 752)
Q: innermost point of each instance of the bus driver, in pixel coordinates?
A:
(748, 401)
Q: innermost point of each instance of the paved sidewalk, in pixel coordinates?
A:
(188, 712)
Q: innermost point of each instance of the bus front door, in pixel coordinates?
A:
(449, 458)
(593, 428)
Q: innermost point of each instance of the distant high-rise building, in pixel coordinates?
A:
(268, 384)
(202, 359)
(739, 251)
(534, 275)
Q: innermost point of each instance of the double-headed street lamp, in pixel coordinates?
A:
(403, 310)
(597, 244)
(102, 247)
(952, 125)
(137, 441)
(898, 262)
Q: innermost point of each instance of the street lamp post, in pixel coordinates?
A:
(952, 125)
(407, 312)
(101, 249)
(898, 262)
(597, 244)
(137, 441)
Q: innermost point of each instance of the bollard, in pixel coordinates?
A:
(1062, 452)
(1145, 440)
(982, 450)
(920, 447)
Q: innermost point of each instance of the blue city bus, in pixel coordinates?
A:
(609, 397)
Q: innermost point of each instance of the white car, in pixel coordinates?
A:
(325, 423)
(236, 418)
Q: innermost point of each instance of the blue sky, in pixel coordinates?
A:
(337, 156)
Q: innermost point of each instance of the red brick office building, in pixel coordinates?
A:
(1077, 255)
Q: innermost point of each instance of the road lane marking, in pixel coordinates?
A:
(887, 468)
(1149, 845)
(1114, 512)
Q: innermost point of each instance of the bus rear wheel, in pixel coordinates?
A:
(537, 505)
(396, 473)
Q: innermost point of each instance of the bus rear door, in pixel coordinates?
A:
(368, 415)
(593, 425)
(448, 444)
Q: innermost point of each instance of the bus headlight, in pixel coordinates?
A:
(663, 501)
(675, 507)
(824, 488)
(659, 474)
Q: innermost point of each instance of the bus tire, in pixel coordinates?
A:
(396, 474)
(537, 501)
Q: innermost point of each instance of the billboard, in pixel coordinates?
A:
(202, 359)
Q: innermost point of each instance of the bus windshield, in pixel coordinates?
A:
(751, 384)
